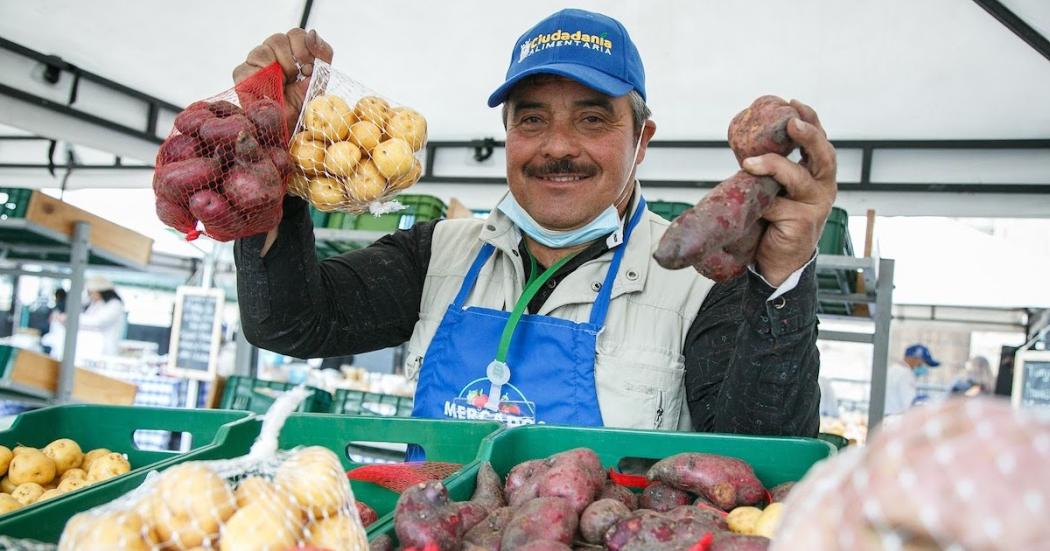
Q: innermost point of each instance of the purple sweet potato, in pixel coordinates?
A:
(423, 516)
(567, 480)
(221, 134)
(709, 516)
(523, 481)
(178, 148)
(645, 530)
(726, 481)
(488, 488)
(575, 475)
(724, 216)
(544, 545)
(599, 516)
(175, 215)
(177, 181)
(189, 121)
(661, 497)
(488, 533)
(253, 186)
(781, 491)
(623, 494)
(471, 513)
(732, 261)
(727, 541)
(762, 128)
(547, 518)
(268, 117)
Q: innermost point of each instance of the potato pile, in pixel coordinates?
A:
(694, 501)
(348, 156)
(305, 503)
(226, 167)
(31, 475)
(720, 234)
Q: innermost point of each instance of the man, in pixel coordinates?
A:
(553, 310)
(901, 378)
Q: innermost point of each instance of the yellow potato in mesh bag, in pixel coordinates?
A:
(393, 158)
(367, 183)
(366, 135)
(341, 159)
(256, 489)
(409, 125)
(314, 477)
(123, 530)
(328, 117)
(257, 527)
(65, 453)
(299, 184)
(338, 532)
(189, 504)
(327, 194)
(408, 179)
(308, 153)
(373, 109)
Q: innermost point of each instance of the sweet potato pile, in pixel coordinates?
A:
(720, 234)
(566, 502)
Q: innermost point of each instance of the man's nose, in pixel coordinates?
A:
(562, 141)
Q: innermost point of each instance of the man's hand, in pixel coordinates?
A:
(797, 219)
(296, 51)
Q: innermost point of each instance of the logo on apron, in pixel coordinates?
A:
(514, 408)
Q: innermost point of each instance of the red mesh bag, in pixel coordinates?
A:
(397, 477)
(226, 163)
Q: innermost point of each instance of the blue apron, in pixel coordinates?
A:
(547, 370)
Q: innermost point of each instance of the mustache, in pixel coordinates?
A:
(560, 166)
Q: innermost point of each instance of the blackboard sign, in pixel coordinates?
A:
(196, 332)
(1032, 379)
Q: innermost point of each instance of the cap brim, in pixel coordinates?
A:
(587, 76)
(932, 362)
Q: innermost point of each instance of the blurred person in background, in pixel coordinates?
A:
(101, 324)
(977, 379)
(902, 378)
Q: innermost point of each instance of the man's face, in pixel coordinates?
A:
(570, 151)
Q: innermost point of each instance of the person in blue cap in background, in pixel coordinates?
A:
(552, 309)
(902, 377)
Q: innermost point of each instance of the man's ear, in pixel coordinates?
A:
(648, 130)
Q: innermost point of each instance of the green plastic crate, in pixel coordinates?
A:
(839, 442)
(356, 402)
(111, 427)
(669, 210)
(774, 460)
(14, 201)
(319, 218)
(835, 238)
(257, 395)
(418, 208)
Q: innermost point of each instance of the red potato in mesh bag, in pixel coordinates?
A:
(268, 118)
(190, 120)
(423, 516)
(175, 215)
(726, 481)
(178, 148)
(367, 514)
(543, 518)
(179, 180)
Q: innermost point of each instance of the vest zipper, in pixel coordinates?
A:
(659, 408)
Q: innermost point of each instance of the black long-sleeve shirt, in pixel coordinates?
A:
(750, 364)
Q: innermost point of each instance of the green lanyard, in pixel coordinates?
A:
(531, 288)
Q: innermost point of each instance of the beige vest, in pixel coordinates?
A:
(639, 368)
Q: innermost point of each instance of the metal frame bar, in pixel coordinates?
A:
(881, 339)
(867, 148)
(1011, 21)
(78, 262)
(306, 14)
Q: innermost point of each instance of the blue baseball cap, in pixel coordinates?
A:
(590, 48)
(921, 352)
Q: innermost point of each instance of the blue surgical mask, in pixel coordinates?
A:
(604, 224)
(922, 371)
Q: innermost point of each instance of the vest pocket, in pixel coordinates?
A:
(639, 395)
